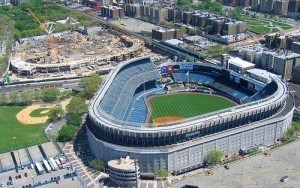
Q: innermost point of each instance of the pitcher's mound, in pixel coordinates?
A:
(168, 119)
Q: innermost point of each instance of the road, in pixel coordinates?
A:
(22, 87)
(63, 84)
(257, 171)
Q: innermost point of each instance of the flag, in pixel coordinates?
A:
(188, 72)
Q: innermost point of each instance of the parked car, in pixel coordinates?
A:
(284, 179)
(226, 167)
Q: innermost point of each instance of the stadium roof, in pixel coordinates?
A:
(259, 72)
(240, 63)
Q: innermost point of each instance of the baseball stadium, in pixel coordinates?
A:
(171, 117)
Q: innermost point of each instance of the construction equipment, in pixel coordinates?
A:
(48, 28)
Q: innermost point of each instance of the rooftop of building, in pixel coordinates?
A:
(122, 163)
(259, 72)
(240, 63)
(287, 55)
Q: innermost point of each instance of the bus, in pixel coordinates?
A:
(39, 168)
(47, 166)
(53, 164)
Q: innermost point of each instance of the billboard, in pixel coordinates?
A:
(163, 70)
(170, 68)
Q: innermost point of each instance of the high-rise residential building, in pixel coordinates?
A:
(267, 60)
(255, 4)
(266, 6)
(281, 7)
(283, 64)
(294, 8)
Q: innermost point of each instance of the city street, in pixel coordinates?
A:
(257, 171)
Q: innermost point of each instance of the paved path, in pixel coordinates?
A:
(88, 176)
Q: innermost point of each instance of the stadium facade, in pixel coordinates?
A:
(116, 124)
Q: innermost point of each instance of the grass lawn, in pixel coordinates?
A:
(263, 27)
(10, 127)
(186, 105)
(37, 112)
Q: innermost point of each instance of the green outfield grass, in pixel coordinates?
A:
(186, 105)
(10, 127)
(37, 112)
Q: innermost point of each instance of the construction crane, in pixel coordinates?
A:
(49, 30)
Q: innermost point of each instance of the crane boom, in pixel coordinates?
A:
(50, 38)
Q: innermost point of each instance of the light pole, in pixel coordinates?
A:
(15, 140)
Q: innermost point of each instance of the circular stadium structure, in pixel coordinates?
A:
(118, 122)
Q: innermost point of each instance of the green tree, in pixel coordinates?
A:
(76, 106)
(91, 85)
(55, 113)
(51, 94)
(66, 133)
(74, 119)
(183, 29)
(14, 98)
(234, 157)
(162, 174)
(214, 157)
(97, 164)
(207, 29)
(3, 100)
(26, 97)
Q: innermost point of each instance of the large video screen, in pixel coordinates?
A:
(186, 67)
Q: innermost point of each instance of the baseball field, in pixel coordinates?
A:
(173, 107)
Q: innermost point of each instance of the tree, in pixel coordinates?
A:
(234, 157)
(76, 106)
(91, 85)
(66, 133)
(192, 32)
(183, 29)
(26, 97)
(74, 119)
(55, 113)
(14, 98)
(214, 157)
(51, 94)
(162, 174)
(3, 100)
(207, 29)
(97, 164)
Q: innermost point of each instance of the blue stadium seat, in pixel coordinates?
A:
(120, 94)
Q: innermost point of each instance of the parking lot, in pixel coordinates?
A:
(44, 180)
(257, 171)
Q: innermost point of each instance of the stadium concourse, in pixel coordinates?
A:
(117, 123)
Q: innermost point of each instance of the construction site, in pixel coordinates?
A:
(73, 54)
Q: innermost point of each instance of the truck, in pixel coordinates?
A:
(47, 166)
(39, 168)
(53, 164)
